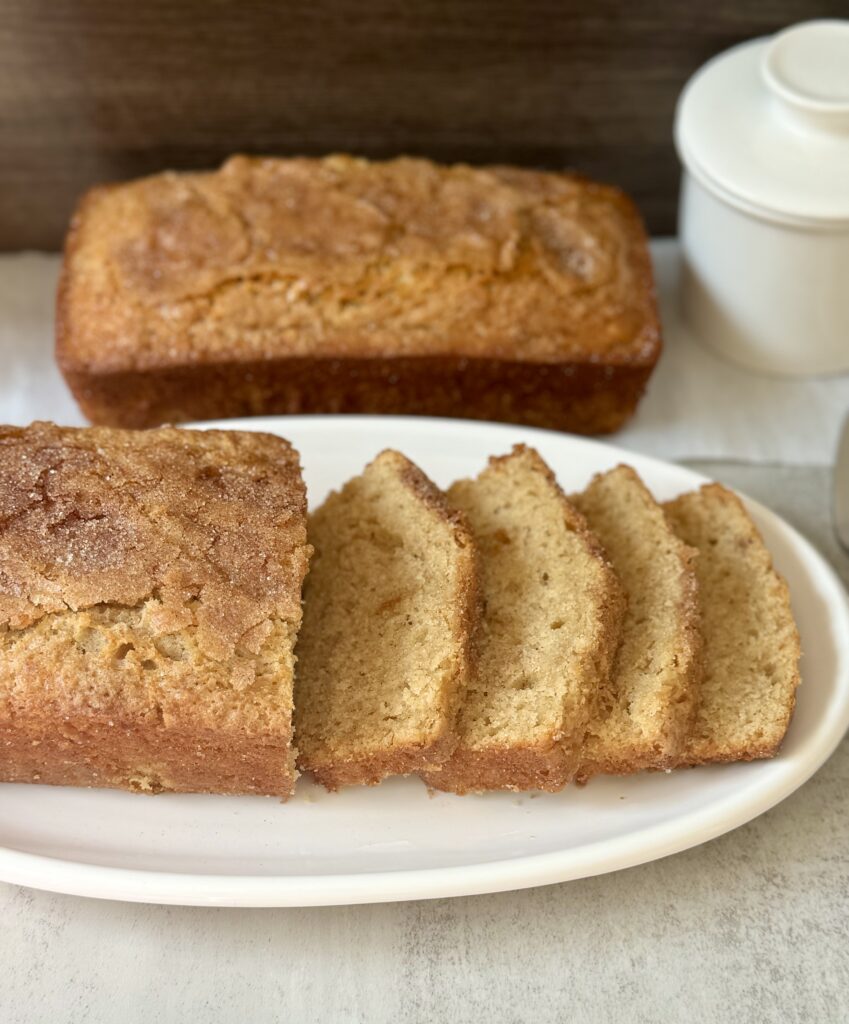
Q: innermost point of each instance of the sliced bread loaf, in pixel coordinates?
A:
(150, 596)
(751, 644)
(647, 718)
(550, 629)
(389, 613)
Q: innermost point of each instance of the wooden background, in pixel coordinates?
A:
(92, 90)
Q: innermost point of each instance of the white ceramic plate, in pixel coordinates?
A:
(395, 842)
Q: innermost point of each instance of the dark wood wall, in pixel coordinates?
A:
(92, 90)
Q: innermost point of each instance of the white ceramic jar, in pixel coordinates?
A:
(763, 134)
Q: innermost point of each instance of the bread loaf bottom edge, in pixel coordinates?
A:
(144, 758)
(585, 398)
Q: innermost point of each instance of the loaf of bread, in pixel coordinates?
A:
(341, 286)
(751, 643)
(553, 609)
(391, 605)
(150, 595)
(646, 717)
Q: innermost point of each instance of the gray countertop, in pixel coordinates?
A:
(751, 927)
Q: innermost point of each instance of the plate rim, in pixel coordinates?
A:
(654, 842)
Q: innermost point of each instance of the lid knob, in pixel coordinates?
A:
(806, 69)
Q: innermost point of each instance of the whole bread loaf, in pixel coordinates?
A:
(150, 595)
(339, 285)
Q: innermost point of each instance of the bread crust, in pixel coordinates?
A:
(104, 752)
(546, 767)
(375, 766)
(128, 364)
(581, 398)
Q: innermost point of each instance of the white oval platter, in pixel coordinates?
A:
(396, 842)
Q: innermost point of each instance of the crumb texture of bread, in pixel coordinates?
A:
(751, 643)
(391, 604)
(150, 587)
(369, 286)
(553, 609)
(646, 715)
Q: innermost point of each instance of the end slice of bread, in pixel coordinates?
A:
(390, 610)
(751, 643)
(647, 718)
(553, 608)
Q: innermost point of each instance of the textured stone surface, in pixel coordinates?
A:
(748, 928)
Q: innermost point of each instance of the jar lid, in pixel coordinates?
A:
(767, 124)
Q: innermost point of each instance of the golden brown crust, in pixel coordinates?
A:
(333, 268)
(150, 579)
(120, 517)
(430, 495)
(469, 604)
(373, 768)
(585, 398)
(512, 768)
(692, 641)
(612, 603)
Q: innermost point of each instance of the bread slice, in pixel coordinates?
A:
(551, 624)
(658, 665)
(390, 610)
(751, 652)
(150, 595)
